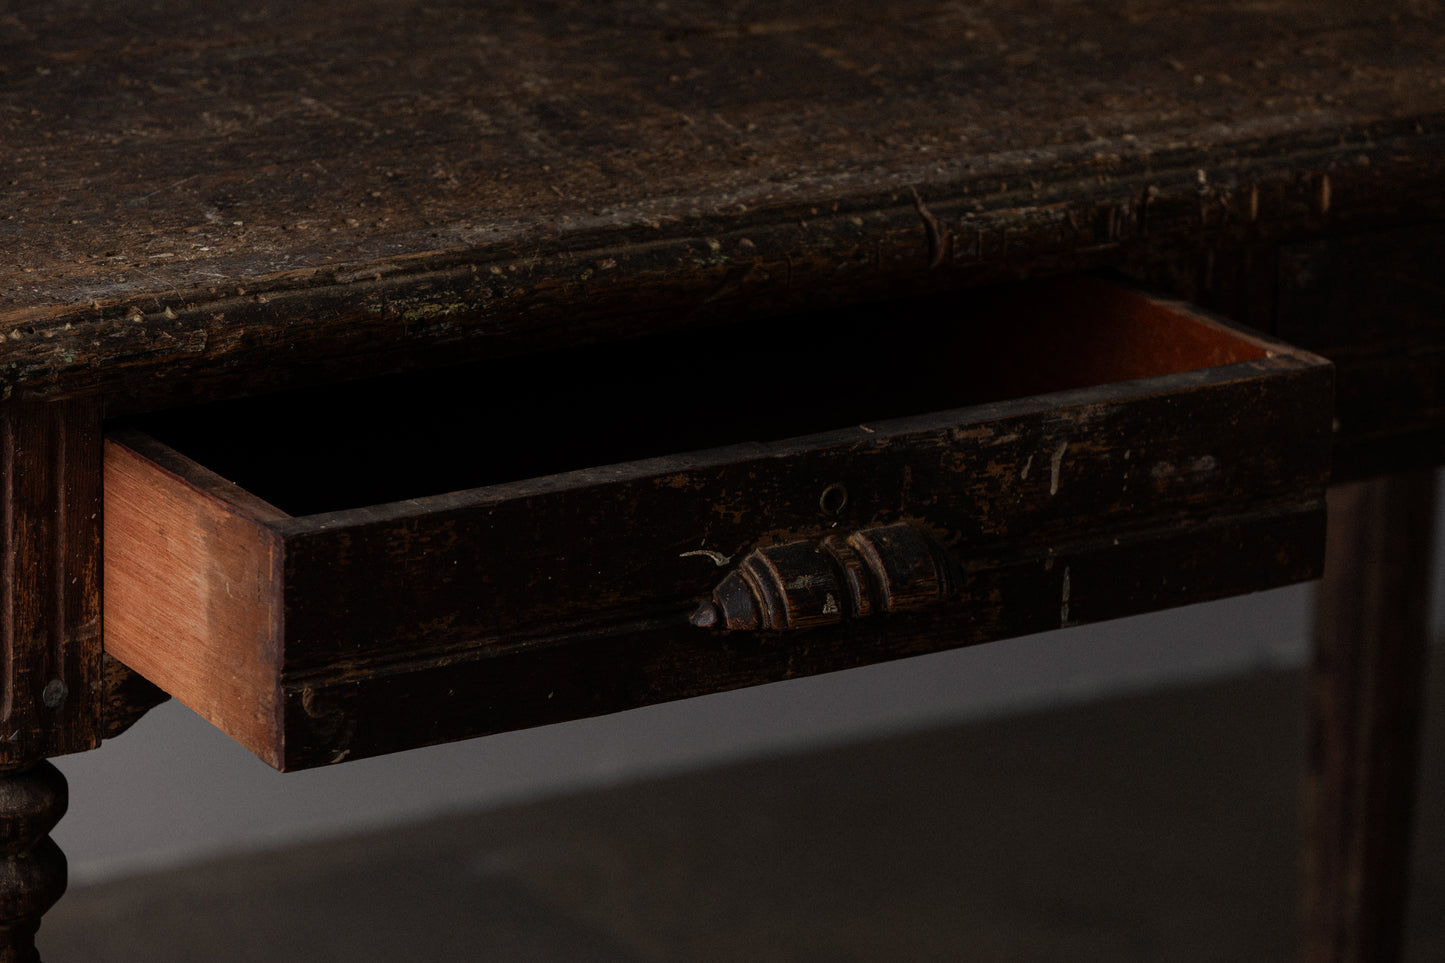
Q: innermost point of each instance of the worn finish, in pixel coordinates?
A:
(1369, 300)
(347, 715)
(805, 584)
(1366, 687)
(200, 200)
(128, 696)
(1080, 503)
(50, 612)
(1373, 303)
(198, 572)
(32, 868)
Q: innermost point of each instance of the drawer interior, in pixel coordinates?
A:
(384, 440)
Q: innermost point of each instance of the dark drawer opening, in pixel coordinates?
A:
(413, 435)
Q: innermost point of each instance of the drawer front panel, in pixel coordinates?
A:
(506, 567)
(332, 717)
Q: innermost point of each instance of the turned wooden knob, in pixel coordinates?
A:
(801, 584)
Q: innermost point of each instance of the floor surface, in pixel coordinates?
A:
(1146, 828)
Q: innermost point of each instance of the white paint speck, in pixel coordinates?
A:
(718, 558)
(830, 605)
(1027, 465)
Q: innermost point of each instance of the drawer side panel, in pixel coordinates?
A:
(191, 598)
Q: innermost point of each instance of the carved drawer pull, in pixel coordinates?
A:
(797, 585)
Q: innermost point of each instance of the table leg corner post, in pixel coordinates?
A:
(51, 653)
(1365, 697)
(33, 798)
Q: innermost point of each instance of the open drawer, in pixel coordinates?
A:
(389, 564)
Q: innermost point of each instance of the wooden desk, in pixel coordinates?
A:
(202, 202)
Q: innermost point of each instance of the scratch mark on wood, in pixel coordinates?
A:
(1055, 464)
(718, 558)
(1023, 475)
(938, 233)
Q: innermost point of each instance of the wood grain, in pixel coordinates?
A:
(191, 597)
(567, 549)
(1366, 685)
(349, 714)
(128, 696)
(33, 798)
(199, 203)
(1369, 300)
(1373, 304)
(390, 598)
(50, 609)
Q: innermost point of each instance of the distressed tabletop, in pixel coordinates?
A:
(199, 197)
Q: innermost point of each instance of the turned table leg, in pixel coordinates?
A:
(50, 647)
(32, 867)
(1366, 689)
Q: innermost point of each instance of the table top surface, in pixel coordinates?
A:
(192, 192)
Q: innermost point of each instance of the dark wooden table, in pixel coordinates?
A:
(202, 204)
